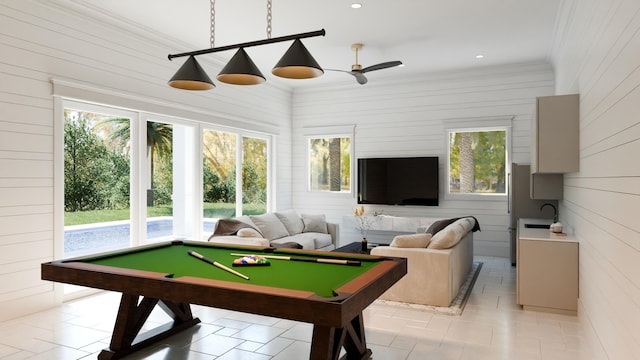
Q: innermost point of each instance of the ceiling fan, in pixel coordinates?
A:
(358, 71)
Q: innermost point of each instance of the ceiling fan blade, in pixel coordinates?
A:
(344, 71)
(360, 78)
(381, 66)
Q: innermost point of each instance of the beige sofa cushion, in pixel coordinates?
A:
(308, 240)
(411, 241)
(291, 220)
(248, 232)
(451, 235)
(270, 226)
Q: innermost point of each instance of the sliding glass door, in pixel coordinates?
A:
(133, 178)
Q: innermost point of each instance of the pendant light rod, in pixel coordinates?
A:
(251, 43)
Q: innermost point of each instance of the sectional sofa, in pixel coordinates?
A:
(278, 229)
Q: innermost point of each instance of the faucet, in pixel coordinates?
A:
(555, 211)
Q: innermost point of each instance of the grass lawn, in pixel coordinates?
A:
(211, 210)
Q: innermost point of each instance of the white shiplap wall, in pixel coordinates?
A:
(406, 118)
(40, 41)
(597, 54)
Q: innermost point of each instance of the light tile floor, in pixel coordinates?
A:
(492, 327)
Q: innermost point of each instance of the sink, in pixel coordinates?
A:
(537, 226)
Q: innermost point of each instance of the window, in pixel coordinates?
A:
(477, 161)
(254, 175)
(225, 194)
(330, 163)
(97, 167)
(220, 153)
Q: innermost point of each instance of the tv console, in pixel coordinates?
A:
(384, 228)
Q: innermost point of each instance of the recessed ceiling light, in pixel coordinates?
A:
(356, 5)
(479, 56)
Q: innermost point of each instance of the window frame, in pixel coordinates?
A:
(496, 125)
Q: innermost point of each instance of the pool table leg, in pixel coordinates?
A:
(328, 341)
(131, 317)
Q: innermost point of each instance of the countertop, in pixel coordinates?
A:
(541, 234)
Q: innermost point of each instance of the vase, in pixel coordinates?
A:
(364, 244)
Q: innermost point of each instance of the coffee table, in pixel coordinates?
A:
(356, 248)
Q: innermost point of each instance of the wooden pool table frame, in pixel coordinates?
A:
(337, 321)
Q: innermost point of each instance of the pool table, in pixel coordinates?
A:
(330, 296)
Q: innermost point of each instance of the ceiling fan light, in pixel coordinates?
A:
(191, 76)
(297, 63)
(241, 70)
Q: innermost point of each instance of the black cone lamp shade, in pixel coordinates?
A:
(241, 70)
(191, 76)
(297, 63)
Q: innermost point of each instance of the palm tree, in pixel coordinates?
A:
(467, 178)
(159, 141)
(334, 164)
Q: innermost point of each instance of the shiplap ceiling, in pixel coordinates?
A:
(427, 35)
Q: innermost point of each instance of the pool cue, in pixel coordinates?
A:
(214, 263)
(316, 260)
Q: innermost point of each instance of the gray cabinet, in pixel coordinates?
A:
(555, 147)
(546, 186)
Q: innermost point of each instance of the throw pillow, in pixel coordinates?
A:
(248, 232)
(467, 224)
(439, 225)
(411, 241)
(444, 239)
(245, 219)
(291, 221)
(451, 235)
(314, 223)
(269, 225)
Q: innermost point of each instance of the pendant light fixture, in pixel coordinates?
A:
(241, 70)
(296, 63)
(191, 76)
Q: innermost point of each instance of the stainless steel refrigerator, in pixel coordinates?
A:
(520, 203)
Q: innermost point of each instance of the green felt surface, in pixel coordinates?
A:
(174, 259)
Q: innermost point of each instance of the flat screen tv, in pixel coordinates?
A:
(398, 181)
